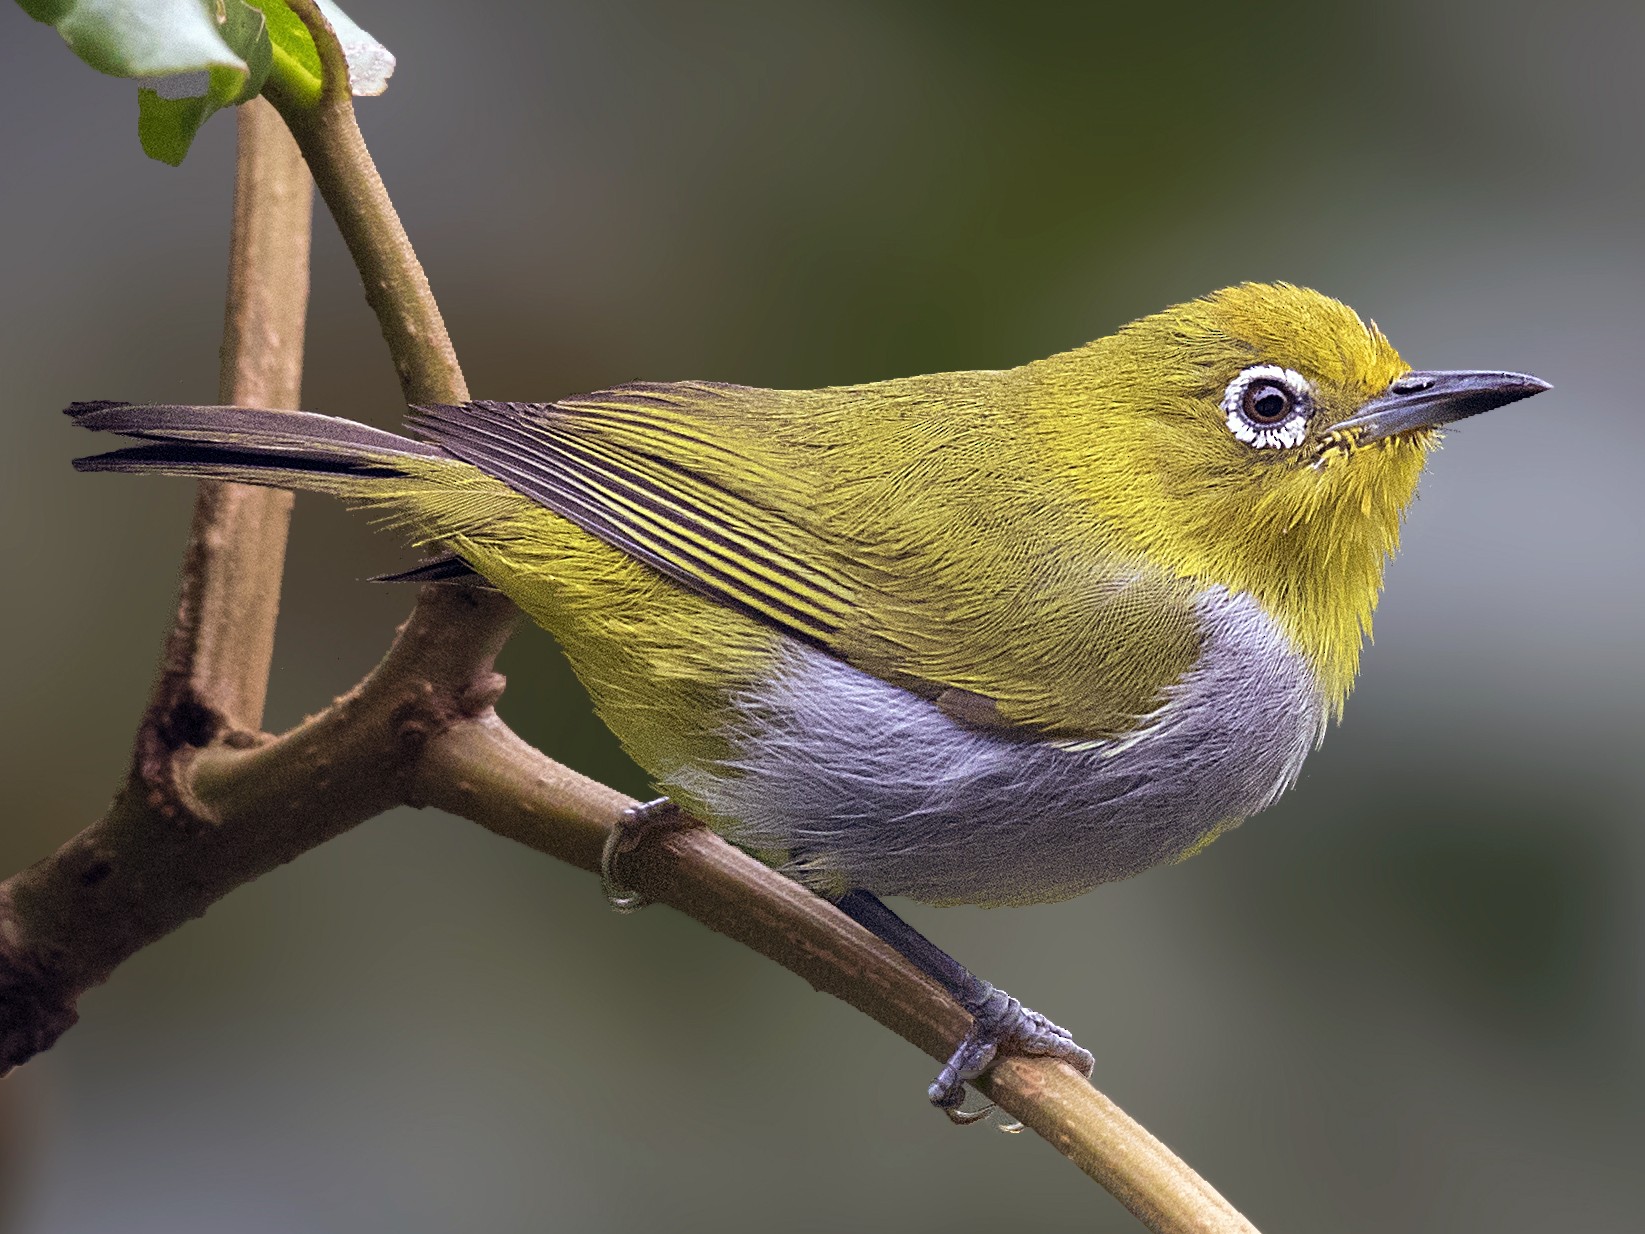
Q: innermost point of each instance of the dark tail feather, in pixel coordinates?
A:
(403, 479)
(303, 430)
(285, 449)
(446, 569)
(189, 459)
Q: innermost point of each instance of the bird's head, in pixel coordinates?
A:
(1267, 438)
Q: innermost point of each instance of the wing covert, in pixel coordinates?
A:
(642, 484)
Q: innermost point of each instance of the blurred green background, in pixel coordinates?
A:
(1408, 998)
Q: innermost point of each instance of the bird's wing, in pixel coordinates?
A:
(870, 523)
(633, 467)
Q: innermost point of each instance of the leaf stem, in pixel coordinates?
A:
(395, 285)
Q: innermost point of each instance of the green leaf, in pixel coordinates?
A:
(48, 11)
(237, 43)
(140, 38)
(166, 126)
(226, 39)
(296, 62)
(245, 30)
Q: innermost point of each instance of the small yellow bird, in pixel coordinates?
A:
(983, 638)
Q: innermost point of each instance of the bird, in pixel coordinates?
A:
(990, 637)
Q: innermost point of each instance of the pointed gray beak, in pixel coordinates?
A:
(1429, 399)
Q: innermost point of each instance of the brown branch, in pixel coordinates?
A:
(213, 674)
(262, 366)
(214, 670)
(421, 729)
(136, 874)
(178, 837)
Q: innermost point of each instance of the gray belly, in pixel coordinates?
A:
(863, 784)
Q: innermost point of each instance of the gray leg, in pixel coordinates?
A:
(638, 823)
(999, 1022)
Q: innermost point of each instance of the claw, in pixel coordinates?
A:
(1000, 1023)
(638, 822)
(964, 1118)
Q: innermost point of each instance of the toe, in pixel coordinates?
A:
(1001, 1023)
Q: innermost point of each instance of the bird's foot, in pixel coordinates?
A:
(1000, 1023)
(638, 824)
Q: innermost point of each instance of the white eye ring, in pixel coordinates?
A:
(1289, 432)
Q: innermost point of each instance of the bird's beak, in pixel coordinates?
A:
(1420, 400)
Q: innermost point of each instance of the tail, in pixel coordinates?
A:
(280, 449)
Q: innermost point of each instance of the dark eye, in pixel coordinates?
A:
(1267, 402)
(1268, 407)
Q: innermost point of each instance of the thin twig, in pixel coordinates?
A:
(262, 366)
(395, 284)
(394, 281)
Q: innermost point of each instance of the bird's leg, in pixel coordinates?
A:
(998, 1021)
(638, 824)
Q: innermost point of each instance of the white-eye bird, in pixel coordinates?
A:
(983, 637)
